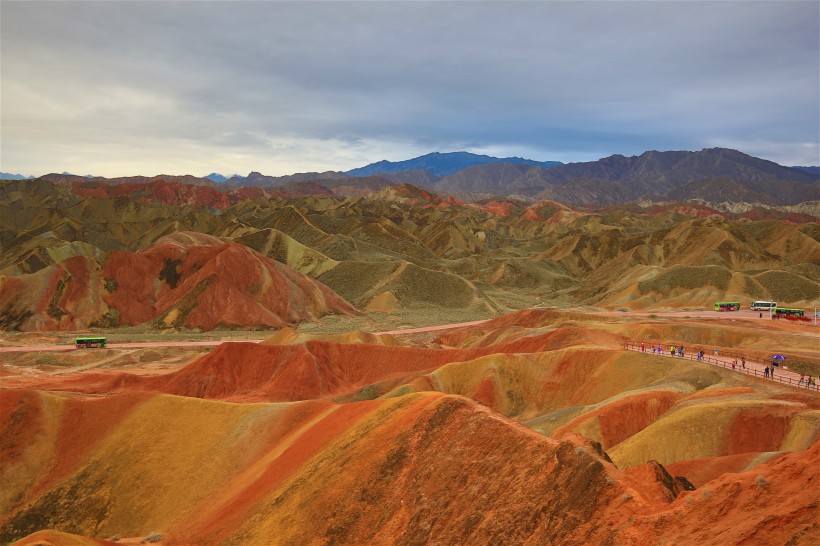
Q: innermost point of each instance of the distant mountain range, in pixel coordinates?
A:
(442, 164)
(259, 179)
(813, 170)
(712, 175)
(423, 170)
(90, 181)
(9, 176)
(218, 178)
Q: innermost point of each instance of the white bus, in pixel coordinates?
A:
(763, 305)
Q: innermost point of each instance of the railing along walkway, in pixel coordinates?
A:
(755, 369)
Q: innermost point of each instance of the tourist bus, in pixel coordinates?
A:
(763, 305)
(89, 342)
(785, 311)
(727, 306)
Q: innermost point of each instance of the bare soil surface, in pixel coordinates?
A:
(241, 441)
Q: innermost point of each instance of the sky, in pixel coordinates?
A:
(145, 88)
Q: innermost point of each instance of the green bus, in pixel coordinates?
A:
(727, 306)
(785, 311)
(89, 342)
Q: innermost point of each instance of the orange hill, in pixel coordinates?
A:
(357, 443)
(415, 469)
(309, 370)
(63, 296)
(197, 281)
(188, 279)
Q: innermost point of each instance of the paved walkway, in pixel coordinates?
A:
(756, 369)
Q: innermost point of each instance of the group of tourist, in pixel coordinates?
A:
(734, 362)
(768, 371)
(658, 349)
(808, 381)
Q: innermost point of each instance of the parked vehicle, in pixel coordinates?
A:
(785, 311)
(763, 305)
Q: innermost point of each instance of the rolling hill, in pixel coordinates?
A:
(536, 426)
(186, 280)
(401, 249)
(533, 426)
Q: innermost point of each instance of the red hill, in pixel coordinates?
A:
(197, 281)
(166, 191)
(310, 370)
(63, 296)
(188, 279)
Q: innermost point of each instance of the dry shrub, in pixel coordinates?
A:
(687, 277)
(787, 287)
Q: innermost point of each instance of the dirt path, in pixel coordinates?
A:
(71, 370)
(136, 345)
(92, 365)
(159, 344)
(433, 328)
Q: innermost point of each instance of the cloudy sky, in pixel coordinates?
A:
(126, 88)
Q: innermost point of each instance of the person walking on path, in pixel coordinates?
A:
(771, 372)
(802, 378)
(743, 361)
(734, 364)
(716, 351)
(766, 372)
(643, 347)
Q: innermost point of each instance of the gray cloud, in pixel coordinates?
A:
(118, 88)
